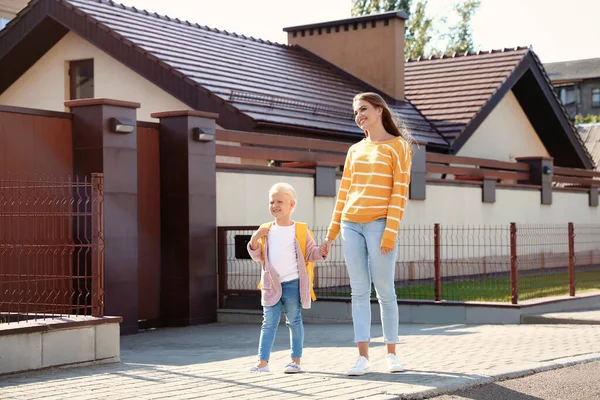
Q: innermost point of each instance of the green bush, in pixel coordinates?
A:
(588, 119)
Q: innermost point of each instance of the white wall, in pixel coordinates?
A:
(504, 135)
(242, 199)
(46, 85)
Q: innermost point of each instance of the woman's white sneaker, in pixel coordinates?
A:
(291, 368)
(261, 369)
(393, 363)
(361, 367)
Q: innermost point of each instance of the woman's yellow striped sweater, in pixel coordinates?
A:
(374, 186)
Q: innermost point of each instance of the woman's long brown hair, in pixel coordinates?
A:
(391, 123)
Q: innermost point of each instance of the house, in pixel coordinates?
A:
(577, 82)
(72, 49)
(82, 63)
(496, 104)
(9, 9)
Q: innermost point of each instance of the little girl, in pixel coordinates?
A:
(285, 281)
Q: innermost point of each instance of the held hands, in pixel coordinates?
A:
(261, 232)
(325, 246)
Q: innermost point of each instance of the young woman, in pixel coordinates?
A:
(370, 205)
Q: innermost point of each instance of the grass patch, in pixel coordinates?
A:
(498, 289)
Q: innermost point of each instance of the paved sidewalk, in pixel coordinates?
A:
(210, 361)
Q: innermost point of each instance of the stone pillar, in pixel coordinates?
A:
(98, 148)
(540, 174)
(188, 217)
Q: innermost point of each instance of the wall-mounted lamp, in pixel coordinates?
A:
(201, 135)
(548, 170)
(120, 125)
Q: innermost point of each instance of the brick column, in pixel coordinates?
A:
(540, 174)
(188, 217)
(97, 148)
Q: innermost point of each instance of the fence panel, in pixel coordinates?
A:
(505, 263)
(51, 247)
(587, 257)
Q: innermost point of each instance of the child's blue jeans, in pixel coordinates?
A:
(362, 252)
(290, 300)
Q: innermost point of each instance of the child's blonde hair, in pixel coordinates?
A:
(284, 188)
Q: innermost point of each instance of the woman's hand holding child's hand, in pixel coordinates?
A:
(325, 246)
(261, 232)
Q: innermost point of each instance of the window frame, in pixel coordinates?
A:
(73, 77)
(595, 104)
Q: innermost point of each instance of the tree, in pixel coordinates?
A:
(417, 33)
(420, 27)
(461, 37)
(365, 7)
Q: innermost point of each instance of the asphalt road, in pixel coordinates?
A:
(579, 382)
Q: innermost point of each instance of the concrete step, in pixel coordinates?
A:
(582, 317)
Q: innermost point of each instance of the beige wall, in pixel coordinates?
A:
(505, 134)
(45, 85)
(375, 55)
(242, 200)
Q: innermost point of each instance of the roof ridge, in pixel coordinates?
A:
(572, 61)
(469, 54)
(178, 21)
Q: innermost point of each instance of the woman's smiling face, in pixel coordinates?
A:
(365, 115)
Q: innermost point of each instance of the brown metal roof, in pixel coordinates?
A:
(450, 90)
(265, 81)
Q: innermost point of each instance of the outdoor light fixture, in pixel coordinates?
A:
(120, 125)
(201, 135)
(548, 170)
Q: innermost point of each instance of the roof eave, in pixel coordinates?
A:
(123, 50)
(528, 62)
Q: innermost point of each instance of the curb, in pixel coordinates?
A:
(496, 378)
(540, 320)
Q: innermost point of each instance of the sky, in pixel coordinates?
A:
(556, 34)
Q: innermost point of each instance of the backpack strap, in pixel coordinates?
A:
(301, 232)
(262, 240)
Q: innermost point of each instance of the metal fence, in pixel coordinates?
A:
(51, 247)
(505, 263)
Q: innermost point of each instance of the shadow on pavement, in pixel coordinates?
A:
(490, 391)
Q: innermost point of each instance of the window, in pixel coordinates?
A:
(81, 79)
(568, 95)
(596, 97)
(3, 22)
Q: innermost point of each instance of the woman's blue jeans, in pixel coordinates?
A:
(290, 300)
(362, 251)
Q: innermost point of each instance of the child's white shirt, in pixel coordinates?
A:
(282, 251)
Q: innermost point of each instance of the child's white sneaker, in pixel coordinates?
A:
(361, 367)
(291, 368)
(261, 369)
(393, 363)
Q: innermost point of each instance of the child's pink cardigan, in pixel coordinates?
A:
(269, 279)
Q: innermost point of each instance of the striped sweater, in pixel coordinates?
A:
(374, 186)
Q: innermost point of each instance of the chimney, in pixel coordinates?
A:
(370, 47)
